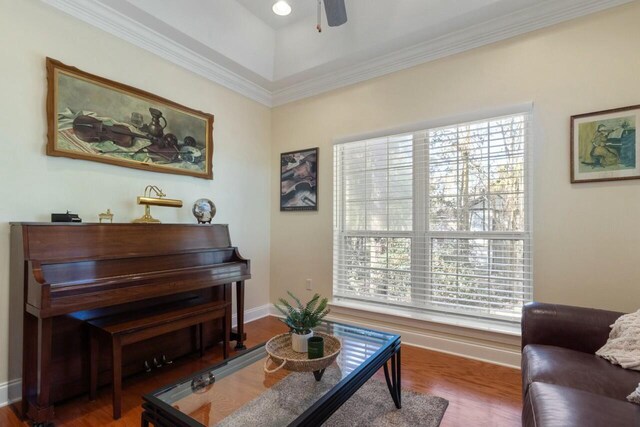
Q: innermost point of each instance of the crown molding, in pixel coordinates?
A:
(110, 20)
(544, 14)
(534, 18)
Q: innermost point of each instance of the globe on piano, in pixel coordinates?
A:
(204, 210)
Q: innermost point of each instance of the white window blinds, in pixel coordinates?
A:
(436, 219)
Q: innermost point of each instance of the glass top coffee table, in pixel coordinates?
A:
(238, 392)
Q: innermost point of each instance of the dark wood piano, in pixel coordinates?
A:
(71, 273)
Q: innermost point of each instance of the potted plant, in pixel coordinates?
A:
(302, 318)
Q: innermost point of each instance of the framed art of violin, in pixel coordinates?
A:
(93, 118)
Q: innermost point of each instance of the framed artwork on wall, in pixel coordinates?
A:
(93, 118)
(604, 145)
(299, 180)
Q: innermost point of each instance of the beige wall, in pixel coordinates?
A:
(33, 185)
(586, 236)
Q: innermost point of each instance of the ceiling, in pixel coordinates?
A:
(244, 46)
(300, 9)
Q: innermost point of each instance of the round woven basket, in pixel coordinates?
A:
(280, 351)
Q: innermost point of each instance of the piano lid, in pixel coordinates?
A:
(68, 242)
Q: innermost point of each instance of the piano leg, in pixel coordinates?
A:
(29, 360)
(239, 336)
(200, 329)
(226, 327)
(40, 412)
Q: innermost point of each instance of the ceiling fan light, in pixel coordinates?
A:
(281, 8)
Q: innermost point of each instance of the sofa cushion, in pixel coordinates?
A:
(570, 368)
(552, 405)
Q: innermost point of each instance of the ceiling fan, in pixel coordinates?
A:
(336, 13)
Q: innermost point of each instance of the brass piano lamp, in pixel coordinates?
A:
(147, 200)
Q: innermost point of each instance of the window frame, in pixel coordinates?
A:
(421, 236)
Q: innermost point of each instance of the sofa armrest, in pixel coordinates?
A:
(576, 328)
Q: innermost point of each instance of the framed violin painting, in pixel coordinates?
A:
(93, 118)
(299, 180)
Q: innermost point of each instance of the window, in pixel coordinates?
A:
(436, 219)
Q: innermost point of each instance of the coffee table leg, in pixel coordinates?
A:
(394, 380)
(318, 374)
(399, 378)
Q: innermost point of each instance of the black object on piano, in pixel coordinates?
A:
(65, 217)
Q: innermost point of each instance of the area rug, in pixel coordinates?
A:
(371, 405)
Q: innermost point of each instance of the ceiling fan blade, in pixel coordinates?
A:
(336, 12)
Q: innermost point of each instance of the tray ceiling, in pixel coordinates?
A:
(242, 45)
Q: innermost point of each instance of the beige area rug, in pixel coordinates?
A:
(371, 405)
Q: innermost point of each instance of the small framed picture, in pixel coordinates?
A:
(299, 180)
(604, 145)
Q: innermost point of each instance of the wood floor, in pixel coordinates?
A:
(479, 394)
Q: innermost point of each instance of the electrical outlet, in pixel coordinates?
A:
(309, 285)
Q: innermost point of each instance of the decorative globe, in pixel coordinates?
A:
(204, 210)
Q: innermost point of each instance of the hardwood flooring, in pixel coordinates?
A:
(479, 394)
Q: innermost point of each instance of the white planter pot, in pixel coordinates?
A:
(299, 342)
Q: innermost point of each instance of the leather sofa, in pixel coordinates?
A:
(564, 383)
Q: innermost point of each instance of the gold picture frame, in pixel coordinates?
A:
(93, 118)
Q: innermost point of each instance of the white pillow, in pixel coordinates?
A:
(635, 396)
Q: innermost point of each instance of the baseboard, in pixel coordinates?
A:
(253, 314)
(10, 392)
(490, 347)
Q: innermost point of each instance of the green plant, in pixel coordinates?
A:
(304, 317)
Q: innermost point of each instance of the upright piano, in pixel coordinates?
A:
(70, 273)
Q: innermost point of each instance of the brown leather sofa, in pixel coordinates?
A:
(563, 383)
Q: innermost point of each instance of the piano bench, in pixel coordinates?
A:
(141, 326)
